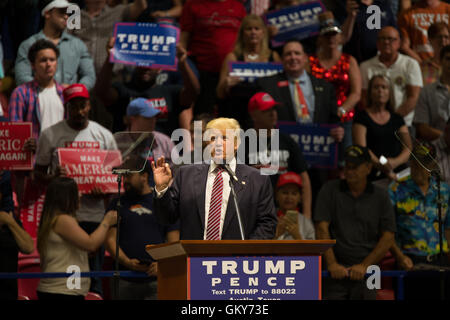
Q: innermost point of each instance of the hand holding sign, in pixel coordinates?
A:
(30, 145)
(146, 45)
(181, 54)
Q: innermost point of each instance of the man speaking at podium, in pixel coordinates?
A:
(201, 197)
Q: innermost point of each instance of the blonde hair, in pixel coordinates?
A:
(239, 47)
(225, 124)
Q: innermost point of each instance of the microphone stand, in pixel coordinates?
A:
(437, 175)
(241, 228)
(120, 173)
(238, 212)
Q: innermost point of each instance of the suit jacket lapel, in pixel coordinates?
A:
(199, 186)
(239, 189)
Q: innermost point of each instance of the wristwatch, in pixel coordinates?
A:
(383, 160)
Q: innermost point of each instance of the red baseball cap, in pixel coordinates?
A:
(289, 178)
(74, 91)
(261, 101)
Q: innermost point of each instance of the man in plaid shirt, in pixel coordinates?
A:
(39, 101)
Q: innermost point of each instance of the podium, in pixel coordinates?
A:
(239, 269)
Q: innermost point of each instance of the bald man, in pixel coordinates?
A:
(403, 71)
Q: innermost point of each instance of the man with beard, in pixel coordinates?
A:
(74, 132)
(138, 228)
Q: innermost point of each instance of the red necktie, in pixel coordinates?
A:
(215, 208)
(300, 103)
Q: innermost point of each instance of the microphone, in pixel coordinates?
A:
(227, 167)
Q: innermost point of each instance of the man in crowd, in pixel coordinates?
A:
(288, 157)
(141, 117)
(74, 62)
(414, 23)
(359, 215)
(442, 146)
(171, 100)
(97, 20)
(39, 101)
(304, 99)
(415, 200)
(433, 107)
(403, 72)
(138, 228)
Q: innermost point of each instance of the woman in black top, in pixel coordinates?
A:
(382, 131)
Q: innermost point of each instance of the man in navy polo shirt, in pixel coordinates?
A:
(138, 228)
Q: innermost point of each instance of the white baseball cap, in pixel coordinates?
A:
(55, 4)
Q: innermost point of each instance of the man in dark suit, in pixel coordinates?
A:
(319, 95)
(315, 103)
(200, 194)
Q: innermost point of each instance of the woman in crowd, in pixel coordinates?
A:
(338, 68)
(252, 45)
(382, 131)
(291, 223)
(62, 243)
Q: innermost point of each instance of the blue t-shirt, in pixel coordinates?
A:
(139, 226)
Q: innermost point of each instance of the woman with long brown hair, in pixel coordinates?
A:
(62, 243)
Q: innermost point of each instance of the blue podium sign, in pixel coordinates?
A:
(254, 278)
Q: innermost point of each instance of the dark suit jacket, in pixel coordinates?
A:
(325, 110)
(185, 200)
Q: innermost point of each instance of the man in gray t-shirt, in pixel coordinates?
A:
(360, 216)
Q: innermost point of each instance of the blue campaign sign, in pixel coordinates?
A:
(254, 278)
(145, 45)
(249, 71)
(299, 22)
(318, 147)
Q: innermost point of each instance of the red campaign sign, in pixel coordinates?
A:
(12, 139)
(91, 168)
(31, 208)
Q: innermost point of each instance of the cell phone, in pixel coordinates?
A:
(292, 215)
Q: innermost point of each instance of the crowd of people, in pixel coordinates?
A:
(384, 92)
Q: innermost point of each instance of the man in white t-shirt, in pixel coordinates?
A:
(39, 101)
(77, 128)
(403, 71)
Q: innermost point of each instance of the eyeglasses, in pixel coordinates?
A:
(390, 39)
